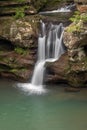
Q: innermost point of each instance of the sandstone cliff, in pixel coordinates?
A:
(19, 38)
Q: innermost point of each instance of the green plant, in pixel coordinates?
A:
(20, 51)
(74, 28)
(84, 17)
(77, 17)
(19, 13)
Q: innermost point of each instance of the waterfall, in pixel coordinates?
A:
(50, 48)
(65, 9)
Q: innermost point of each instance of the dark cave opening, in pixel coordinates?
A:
(6, 45)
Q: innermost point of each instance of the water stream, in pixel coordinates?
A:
(50, 48)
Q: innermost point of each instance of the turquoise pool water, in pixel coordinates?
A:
(55, 110)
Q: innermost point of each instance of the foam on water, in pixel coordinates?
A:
(32, 89)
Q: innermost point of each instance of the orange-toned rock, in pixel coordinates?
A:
(82, 8)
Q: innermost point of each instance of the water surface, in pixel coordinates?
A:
(55, 110)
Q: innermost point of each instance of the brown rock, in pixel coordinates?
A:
(21, 32)
(57, 70)
(82, 8)
(76, 43)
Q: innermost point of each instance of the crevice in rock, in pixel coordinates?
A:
(4, 67)
(85, 49)
(6, 45)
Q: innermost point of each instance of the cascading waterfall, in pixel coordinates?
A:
(65, 9)
(50, 48)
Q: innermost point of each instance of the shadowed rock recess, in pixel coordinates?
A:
(19, 28)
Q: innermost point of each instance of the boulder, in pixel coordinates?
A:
(21, 32)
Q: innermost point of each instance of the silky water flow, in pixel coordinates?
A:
(50, 48)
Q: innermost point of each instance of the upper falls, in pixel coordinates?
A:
(50, 48)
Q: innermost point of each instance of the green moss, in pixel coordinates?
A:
(15, 70)
(20, 51)
(78, 16)
(74, 28)
(20, 12)
(78, 19)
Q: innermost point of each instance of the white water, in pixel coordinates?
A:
(65, 9)
(50, 48)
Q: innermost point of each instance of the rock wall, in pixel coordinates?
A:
(18, 47)
(76, 43)
(18, 44)
(19, 24)
(18, 39)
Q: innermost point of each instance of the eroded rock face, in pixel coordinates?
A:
(18, 60)
(18, 47)
(15, 65)
(76, 43)
(20, 32)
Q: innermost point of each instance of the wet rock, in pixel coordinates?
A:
(17, 66)
(56, 72)
(72, 89)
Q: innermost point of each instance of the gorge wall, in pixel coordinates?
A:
(19, 27)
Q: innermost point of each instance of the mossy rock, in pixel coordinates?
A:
(77, 79)
(49, 4)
